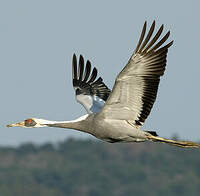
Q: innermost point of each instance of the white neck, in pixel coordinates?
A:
(44, 122)
(73, 124)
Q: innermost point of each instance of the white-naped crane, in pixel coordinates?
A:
(118, 115)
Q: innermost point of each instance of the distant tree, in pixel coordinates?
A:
(27, 148)
(46, 147)
(93, 168)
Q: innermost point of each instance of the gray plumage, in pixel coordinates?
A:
(136, 86)
(118, 116)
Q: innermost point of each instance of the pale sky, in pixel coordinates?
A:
(38, 39)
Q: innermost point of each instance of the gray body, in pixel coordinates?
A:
(112, 130)
(109, 130)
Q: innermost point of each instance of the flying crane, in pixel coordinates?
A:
(118, 115)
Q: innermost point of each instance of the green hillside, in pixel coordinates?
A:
(85, 167)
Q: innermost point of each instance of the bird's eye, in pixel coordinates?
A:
(30, 123)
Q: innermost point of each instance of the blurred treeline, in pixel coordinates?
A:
(93, 168)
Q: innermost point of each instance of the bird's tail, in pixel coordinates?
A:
(183, 144)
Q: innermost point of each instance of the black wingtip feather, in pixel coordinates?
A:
(141, 36)
(93, 75)
(161, 41)
(146, 45)
(87, 71)
(148, 36)
(165, 47)
(81, 67)
(74, 67)
(154, 39)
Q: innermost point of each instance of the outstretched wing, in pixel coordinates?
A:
(136, 86)
(92, 93)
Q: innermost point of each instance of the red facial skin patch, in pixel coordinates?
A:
(29, 121)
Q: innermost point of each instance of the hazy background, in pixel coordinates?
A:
(38, 39)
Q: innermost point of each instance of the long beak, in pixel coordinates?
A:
(20, 124)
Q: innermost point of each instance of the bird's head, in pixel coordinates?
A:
(30, 123)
